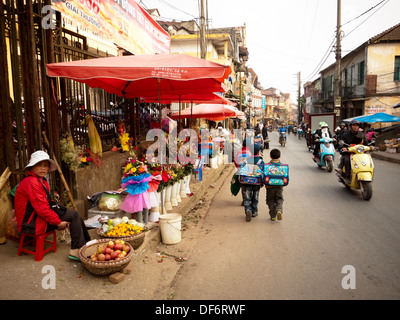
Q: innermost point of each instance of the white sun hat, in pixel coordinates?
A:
(38, 156)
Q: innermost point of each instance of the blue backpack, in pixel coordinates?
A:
(276, 174)
(251, 174)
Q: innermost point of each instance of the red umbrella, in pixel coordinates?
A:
(209, 111)
(192, 98)
(145, 75)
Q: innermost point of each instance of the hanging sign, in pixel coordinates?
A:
(121, 22)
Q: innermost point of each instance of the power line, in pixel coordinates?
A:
(320, 65)
(367, 17)
(363, 13)
(323, 60)
(173, 7)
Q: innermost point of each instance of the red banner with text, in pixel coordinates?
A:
(123, 22)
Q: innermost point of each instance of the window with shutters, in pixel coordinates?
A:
(396, 68)
(361, 73)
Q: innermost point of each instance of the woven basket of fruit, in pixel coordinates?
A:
(135, 240)
(131, 232)
(104, 257)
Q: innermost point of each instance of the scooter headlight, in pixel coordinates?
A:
(360, 149)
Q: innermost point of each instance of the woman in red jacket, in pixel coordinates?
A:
(32, 209)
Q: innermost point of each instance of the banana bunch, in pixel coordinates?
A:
(94, 138)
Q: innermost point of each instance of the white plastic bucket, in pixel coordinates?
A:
(170, 226)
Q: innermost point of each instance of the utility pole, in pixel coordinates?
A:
(338, 89)
(299, 118)
(203, 49)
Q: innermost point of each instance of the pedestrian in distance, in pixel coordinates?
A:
(258, 139)
(264, 133)
(251, 192)
(33, 209)
(241, 158)
(274, 197)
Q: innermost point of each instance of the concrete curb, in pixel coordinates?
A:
(390, 157)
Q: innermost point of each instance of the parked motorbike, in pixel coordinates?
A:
(362, 170)
(326, 153)
(282, 138)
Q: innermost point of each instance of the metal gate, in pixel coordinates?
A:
(31, 103)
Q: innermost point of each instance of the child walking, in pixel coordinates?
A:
(275, 193)
(251, 192)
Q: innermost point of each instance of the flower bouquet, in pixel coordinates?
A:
(135, 181)
(87, 157)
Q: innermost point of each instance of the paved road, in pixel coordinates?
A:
(324, 229)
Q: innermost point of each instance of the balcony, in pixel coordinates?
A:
(327, 96)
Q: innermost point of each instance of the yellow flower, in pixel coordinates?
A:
(83, 159)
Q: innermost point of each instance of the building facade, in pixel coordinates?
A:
(370, 79)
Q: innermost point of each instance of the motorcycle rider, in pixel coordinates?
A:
(322, 132)
(282, 130)
(348, 138)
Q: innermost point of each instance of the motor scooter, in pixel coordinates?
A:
(282, 138)
(326, 153)
(362, 170)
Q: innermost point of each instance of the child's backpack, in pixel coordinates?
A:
(251, 174)
(241, 157)
(276, 174)
(258, 139)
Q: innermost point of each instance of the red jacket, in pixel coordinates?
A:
(32, 208)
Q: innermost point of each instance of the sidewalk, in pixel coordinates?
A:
(383, 155)
(21, 276)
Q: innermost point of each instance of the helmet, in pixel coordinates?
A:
(323, 124)
(354, 121)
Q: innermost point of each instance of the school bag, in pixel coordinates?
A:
(276, 174)
(251, 174)
(258, 139)
(241, 157)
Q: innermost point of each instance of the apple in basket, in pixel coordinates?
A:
(118, 246)
(126, 249)
(114, 255)
(110, 244)
(101, 257)
(107, 251)
(101, 249)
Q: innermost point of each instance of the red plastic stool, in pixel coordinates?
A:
(40, 240)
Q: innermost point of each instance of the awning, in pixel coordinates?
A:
(214, 112)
